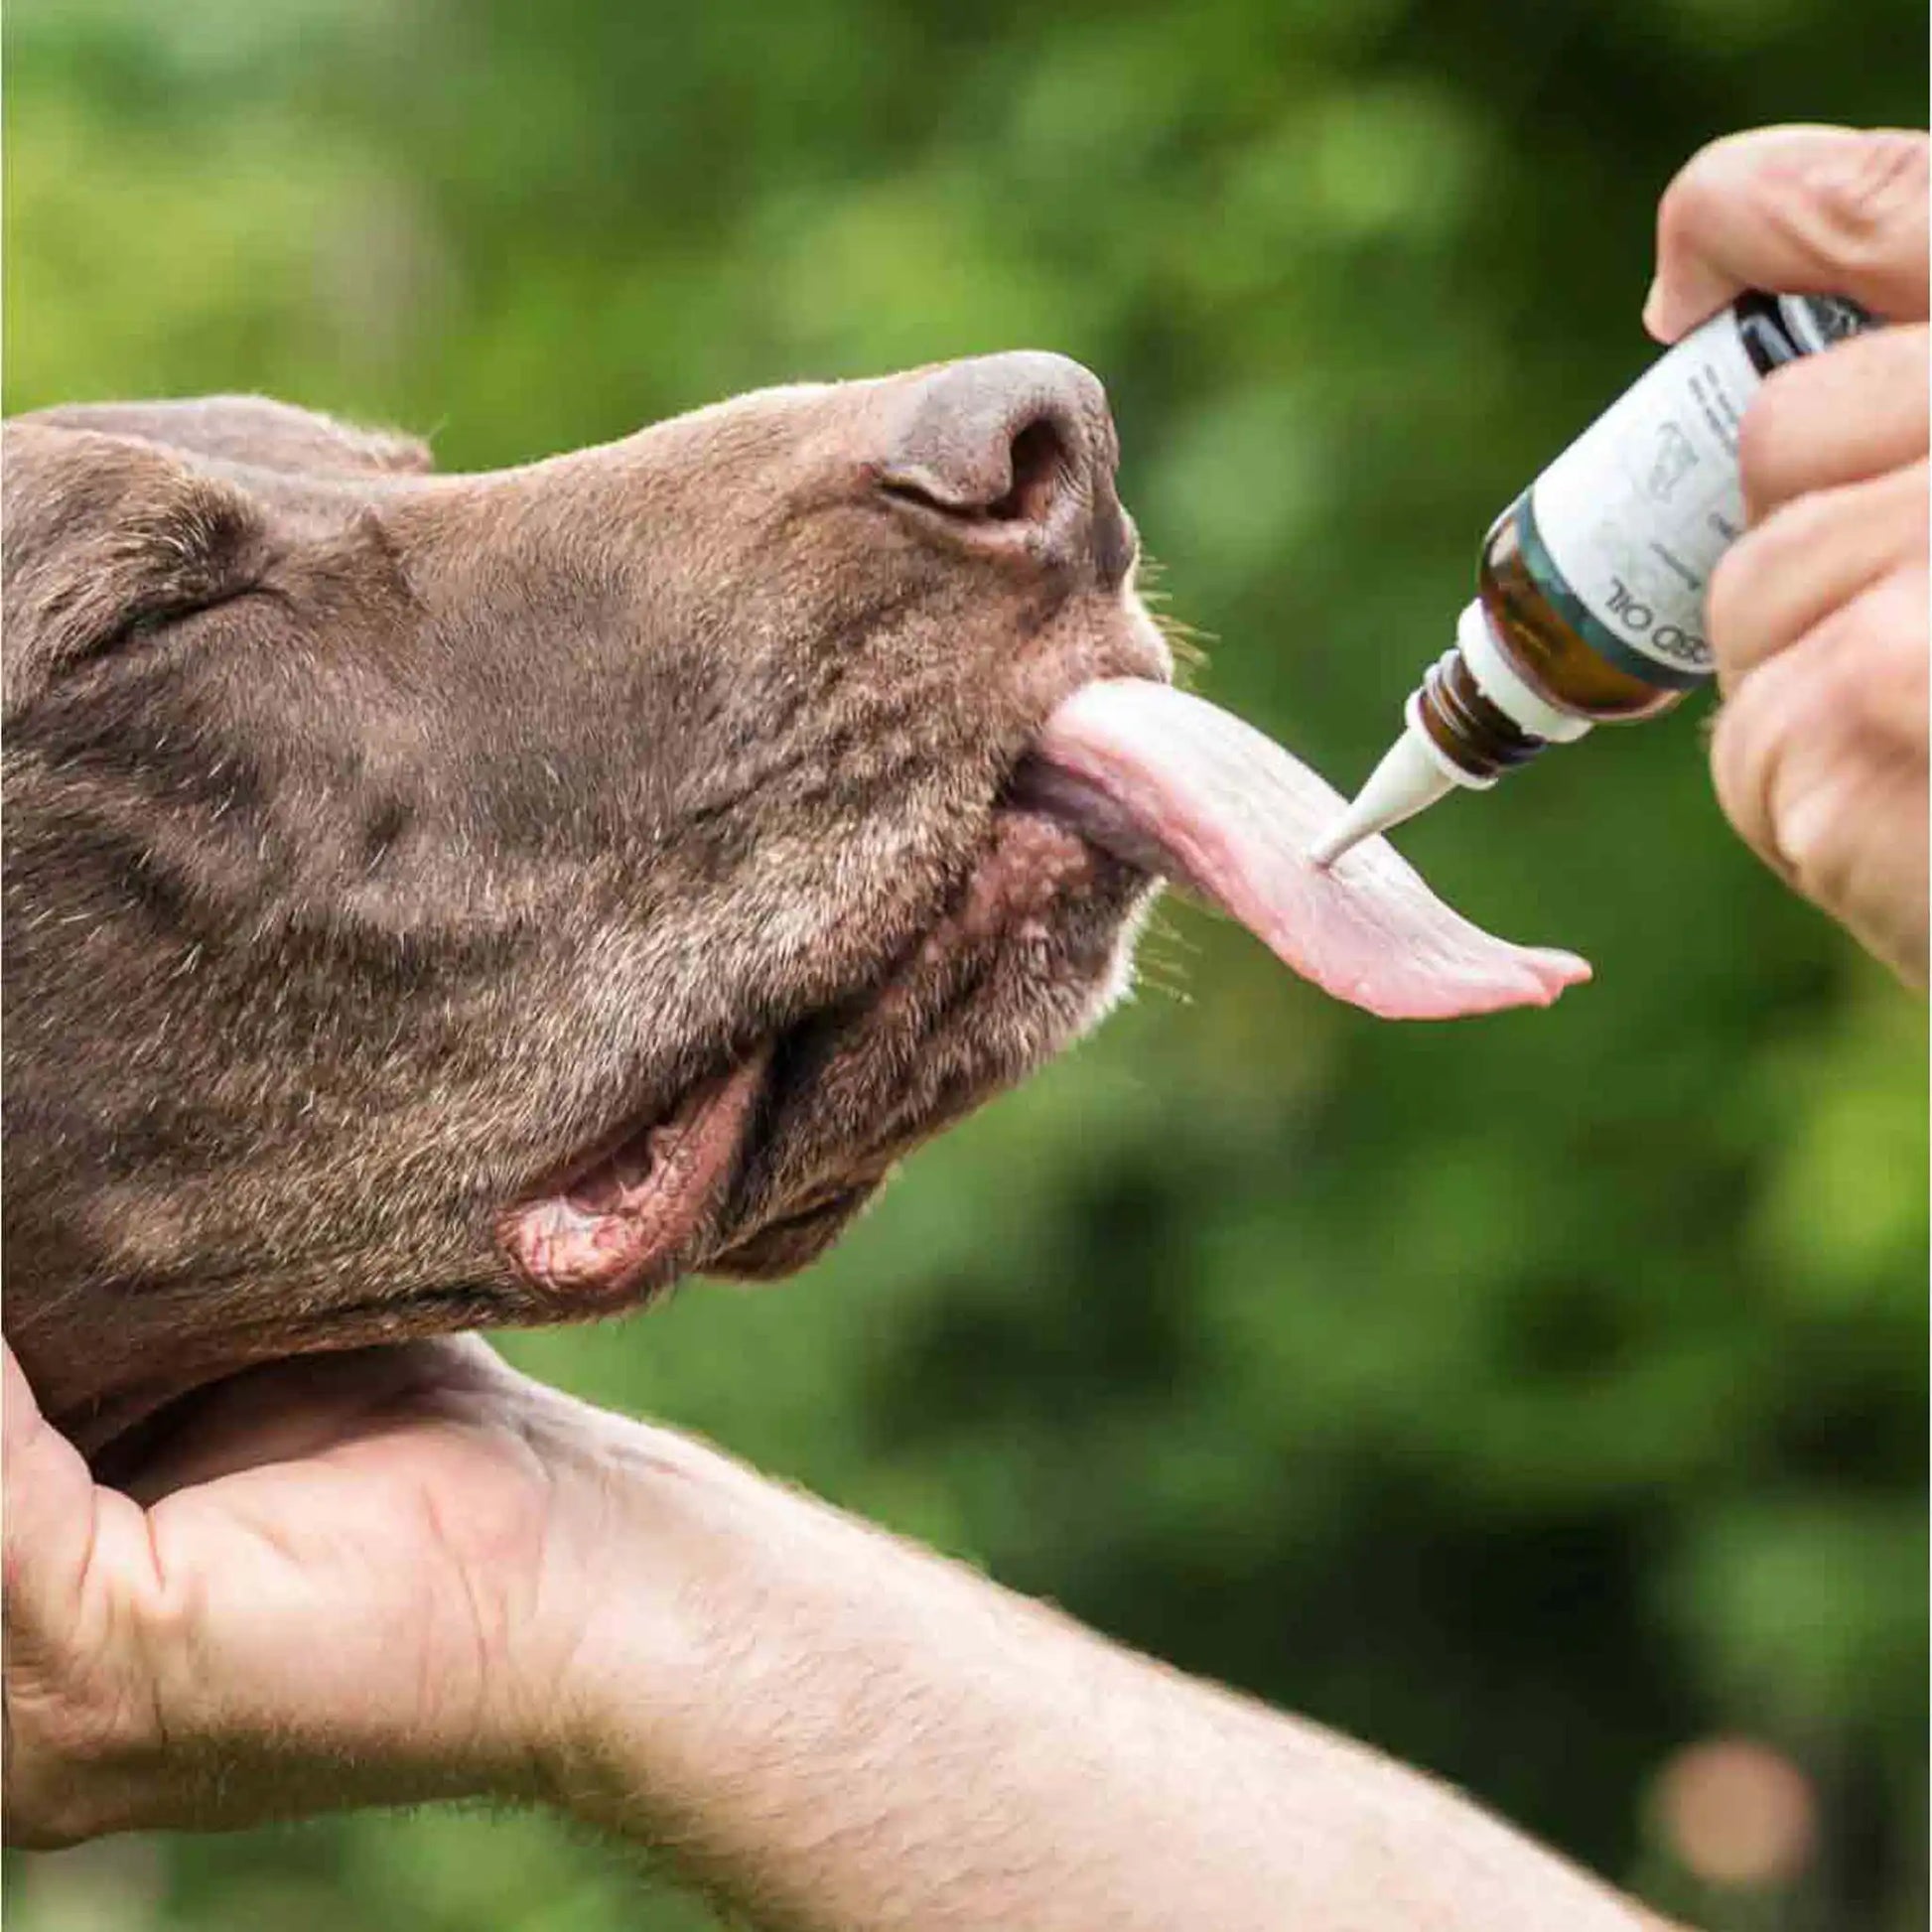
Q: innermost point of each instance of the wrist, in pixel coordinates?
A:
(653, 1536)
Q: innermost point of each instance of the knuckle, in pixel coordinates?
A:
(1821, 840)
(1738, 747)
(1699, 203)
(1811, 736)
(1820, 860)
(1744, 745)
(1860, 198)
(1889, 629)
(1805, 697)
(1702, 191)
(1686, 207)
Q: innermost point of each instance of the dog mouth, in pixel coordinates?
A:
(758, 1166)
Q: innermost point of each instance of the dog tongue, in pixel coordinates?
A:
(1176, 787)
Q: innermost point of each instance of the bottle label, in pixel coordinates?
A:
(1631, 519)
(1815, 322)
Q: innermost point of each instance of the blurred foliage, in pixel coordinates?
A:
(1530, 1396)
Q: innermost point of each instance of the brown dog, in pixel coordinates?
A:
(434, 902)
(443, 901)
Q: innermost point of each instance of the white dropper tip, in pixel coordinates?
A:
(1410, 778)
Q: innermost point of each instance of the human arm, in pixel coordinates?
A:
(415, 1573)
(1818, 613)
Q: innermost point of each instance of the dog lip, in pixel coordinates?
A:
(787, 1240)
(779, 1233)
(1032, 868)
(663, 1197)
(633, 1215)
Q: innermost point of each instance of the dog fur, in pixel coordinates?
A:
(376, 842)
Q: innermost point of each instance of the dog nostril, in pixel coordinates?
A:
(1039, 465)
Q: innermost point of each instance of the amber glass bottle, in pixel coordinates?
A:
(1589, 605)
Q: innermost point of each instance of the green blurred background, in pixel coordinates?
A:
(1535, 1396)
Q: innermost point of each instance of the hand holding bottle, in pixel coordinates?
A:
(1817, 616)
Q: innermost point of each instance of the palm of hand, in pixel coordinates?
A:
(325, 1589)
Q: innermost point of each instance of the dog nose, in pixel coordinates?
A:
(1015, 453)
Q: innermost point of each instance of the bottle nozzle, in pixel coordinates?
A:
(1481, 702)
(1409, 779)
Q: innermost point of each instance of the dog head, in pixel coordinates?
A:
(436, 902)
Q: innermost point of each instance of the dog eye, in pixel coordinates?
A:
(165, 613)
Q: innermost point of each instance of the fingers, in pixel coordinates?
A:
(286, 1410)
(1806, 210)
(1815, 554)
(46, 1527)
(67, 1715)
(1855, 411)
(1820, 761)
(1817, 616)
(1858, 679)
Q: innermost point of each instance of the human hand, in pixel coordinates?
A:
(412, 1572)
(1817, 616)
(353, 1580)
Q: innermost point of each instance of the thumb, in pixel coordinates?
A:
(47, 1525)
(1812, 211)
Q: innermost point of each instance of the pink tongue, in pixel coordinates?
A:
(1171, 783)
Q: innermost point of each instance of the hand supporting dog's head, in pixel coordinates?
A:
(445, 900)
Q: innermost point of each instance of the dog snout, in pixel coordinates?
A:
(1015, 453)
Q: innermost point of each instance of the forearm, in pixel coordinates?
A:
(837, 1730)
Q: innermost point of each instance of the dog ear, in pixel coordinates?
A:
(254, 431)
(106, 535)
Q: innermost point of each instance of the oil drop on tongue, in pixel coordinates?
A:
(1591, 590)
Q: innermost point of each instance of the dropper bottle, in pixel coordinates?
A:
(1589, 605)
